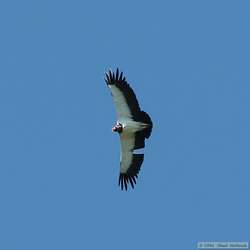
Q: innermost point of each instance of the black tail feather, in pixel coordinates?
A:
(145, 118)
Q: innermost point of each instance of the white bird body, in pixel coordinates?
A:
(130, 126)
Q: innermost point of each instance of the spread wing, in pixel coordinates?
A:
(130, 163)
(125, 100)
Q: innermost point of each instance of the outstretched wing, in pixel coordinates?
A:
(125, 100)
(130, 163)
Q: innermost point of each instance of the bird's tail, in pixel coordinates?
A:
(145, 118)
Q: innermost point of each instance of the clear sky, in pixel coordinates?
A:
(188, 64)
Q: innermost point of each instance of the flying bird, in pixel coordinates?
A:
(133, 126)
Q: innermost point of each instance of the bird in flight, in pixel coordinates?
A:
(133, 126)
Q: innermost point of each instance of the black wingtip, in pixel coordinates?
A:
(114, 77)
(120, 79)
(126, 179)
(132, 174)
(117, 74)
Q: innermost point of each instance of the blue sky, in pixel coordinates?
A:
(188, 64)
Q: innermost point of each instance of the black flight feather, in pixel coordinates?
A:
(132, 173)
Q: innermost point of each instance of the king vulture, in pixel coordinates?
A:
(133, 126)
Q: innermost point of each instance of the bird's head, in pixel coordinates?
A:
(117, 128)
